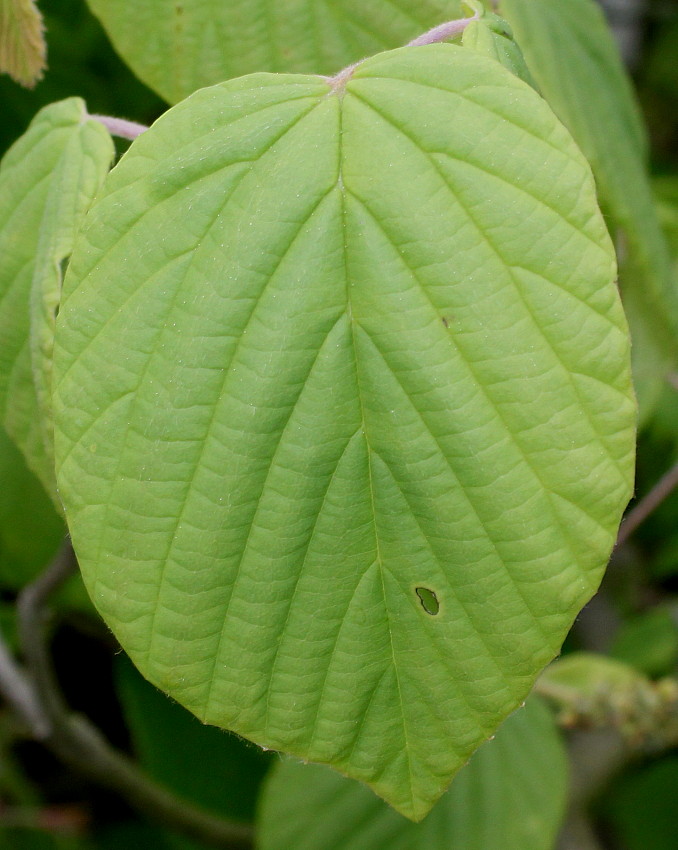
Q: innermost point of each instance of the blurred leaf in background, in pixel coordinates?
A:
(649, 641)
(81, 61)
(640, 807)
(29, 536)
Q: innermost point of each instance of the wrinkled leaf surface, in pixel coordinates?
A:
(572, 55)
(325, 353)
(510, 795)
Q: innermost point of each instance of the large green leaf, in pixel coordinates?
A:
(178, 47)
(48, 179)
(511, 796)
(344, 416)
(572, 55)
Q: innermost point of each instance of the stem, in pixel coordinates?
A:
(662, 489)
(440, 33)
(36, 698)
(33, 620)
(443, 31)
(120, 127)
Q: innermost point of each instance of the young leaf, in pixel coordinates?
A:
(492, 36)
(331, 348)
(178, 47)
(22, 42)
(572, 55)
(511, 795)
(47, 181)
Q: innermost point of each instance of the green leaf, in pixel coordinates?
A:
(48, 179)
(178, 47)
(31, 531)
(23, 51)
(666, 193)
(649, 641)
(572, 55)
(510, 795)
(325, 344)
(492, 36)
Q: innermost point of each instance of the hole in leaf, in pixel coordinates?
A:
(428, 599)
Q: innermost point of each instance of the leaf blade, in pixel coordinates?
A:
(364, 414)
(595, 101)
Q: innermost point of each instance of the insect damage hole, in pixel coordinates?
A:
(428, 599)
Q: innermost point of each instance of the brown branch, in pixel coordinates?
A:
(662, 489)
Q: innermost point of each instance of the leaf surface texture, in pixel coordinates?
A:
(511, 795)
(575, 61)
(344, 416)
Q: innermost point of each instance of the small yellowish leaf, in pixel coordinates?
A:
(23, 51)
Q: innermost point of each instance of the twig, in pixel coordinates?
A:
(440, 33)
(33, 620)
(35, 696)
(662, 489)
(120, 127)
(18, 692)
(443, 31)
